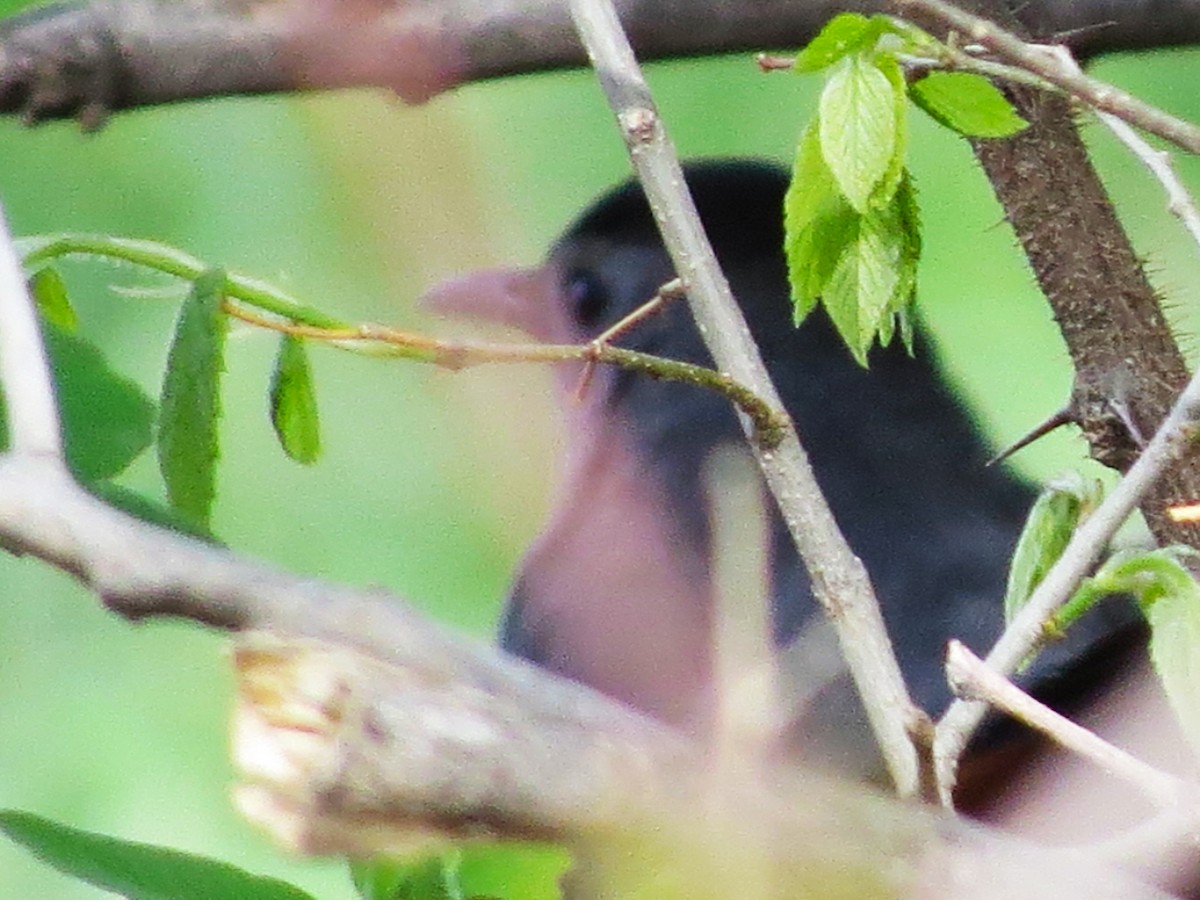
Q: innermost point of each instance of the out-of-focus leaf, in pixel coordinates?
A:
(51, 295)
(430, 878)
(1170, 599)
(294, 404)
(147, 509)
(1175, 646)
(513, 871)
(191, 407)
(1055, 515)
(138, 871)
(107, 419)
(504, 871)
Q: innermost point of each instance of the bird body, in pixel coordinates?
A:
(616, 591)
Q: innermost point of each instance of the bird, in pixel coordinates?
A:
(616, 591)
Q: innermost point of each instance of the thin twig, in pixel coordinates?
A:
(24, 371)
(1046, 64)
(1026, 632)
(972, 679)
(769, 425)
(672, 290)
(1179, 202)
(839, 580)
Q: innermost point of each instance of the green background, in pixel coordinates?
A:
(431, 482)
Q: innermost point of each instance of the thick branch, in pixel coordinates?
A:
(119, 54)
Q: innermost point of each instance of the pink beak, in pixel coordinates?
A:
(518, 298)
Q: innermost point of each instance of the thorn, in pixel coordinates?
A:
(1063, 417)
(1122, 411)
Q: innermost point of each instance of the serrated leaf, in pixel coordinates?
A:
(107, 419)
(968, 104)
(895, 171)
(191, 408)
(862, 287)
(817, 224)
(293, 403)
(50, 292)
(138, 871)
(908, 221)
(1055, 515)
(842, 34)
(858, 128)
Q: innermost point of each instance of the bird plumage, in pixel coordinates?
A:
(616, 591)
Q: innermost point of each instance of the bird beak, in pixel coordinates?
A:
(517, 298)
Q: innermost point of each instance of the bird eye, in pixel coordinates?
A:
(587, 298)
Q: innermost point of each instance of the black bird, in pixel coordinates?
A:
(616, 591)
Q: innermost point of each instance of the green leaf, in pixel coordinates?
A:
(842, 34)
(187, 432)
(858, 127)
(107, 419)
(138, 871)
(818, 224)
(431, 878)
(1174, 618)
(293, 403)
(50, 292)
(1057, 512)
(141, 507)
(863, 283)
(506, 871)
(890, 182)
(968, 104)
(1170, 599)
(514, 871)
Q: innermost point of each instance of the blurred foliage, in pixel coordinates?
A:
(428, 484)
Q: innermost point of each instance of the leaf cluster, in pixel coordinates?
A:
(851, 218)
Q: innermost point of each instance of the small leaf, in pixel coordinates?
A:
(1055, 515)
(1170, 599)
(506, 871)
(148, 510)
(138, 871)
(858, 127)
(107, 419)
(187, 433)
(863, 283)
(51, 295)
(818, 223)
(968, 104)
(890, 182)
(513, 871)
(431, 878)
(842, 34)
(1175, 653)
(293, 403)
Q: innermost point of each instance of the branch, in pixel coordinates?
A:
(110, 55)
(972, 679)
(1026, 632)
(1048, 64)
(839, 580)
(363, 727)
